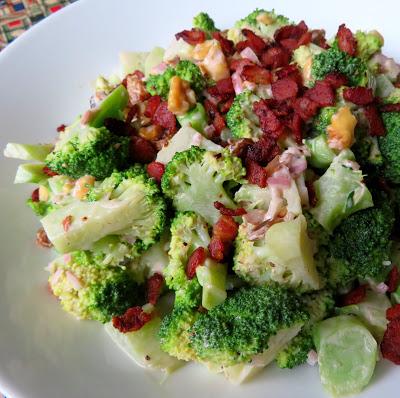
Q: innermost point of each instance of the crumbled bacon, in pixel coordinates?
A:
(393, 279)
(393, 313)
(256, 43)
(284, 89)
(275, 57)
(296, 125)
(151, 106)
(305, 39)
(196, 259)
(356, 296)
(239, 147)
(318, 38)
(322, 93)
(42, 239)
(263, 151)
(305, 108)
(164, 118)
(256, 74)
(193, 36)
(66, 223)
(225, 211)
(269, 122)
(290, 71)
(61, 128)
(218, 123)
(132, 113)
(49, 172)
(376, 126)
(336, 80)
(154, 288)
(346, 40)
(256, 174)
(238, 64)
(35, 195)
(156, 170)
(218, 250)
(136, 88)
(228, 46)
(358, 95)
(390, 108)
(289, 36)
(142, 150)
(223, 90)
(225, 228)
(132, 320)
(390, 346)
(224, 107)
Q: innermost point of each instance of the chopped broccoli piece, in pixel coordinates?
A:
(204, 22)
(367, 151)
(40, 208)
(324, 118)
(394, 97)
(334, 60)
(368, 43)
(321, 155)
(241, 119)
(30, 173)
(196, 118)
(27, 151)
(186, 70)
(239, 328)
(91, 291)
(195, 179)
(251, 196)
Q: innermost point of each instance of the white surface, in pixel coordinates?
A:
(45, 81)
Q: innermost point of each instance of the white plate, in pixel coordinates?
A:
(45, 81)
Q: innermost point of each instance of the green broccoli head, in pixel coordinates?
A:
(367, 152)
(194, 179)
(84, 150)
(324, 119)
(91, 291)
(186, 70)
(390, 146)
(204, 22)
(241, 119)
(239, 328)
(334, 60)
(368, 43)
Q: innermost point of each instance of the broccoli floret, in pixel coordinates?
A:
(40, 208)
(393, 98)
(196, 178)
(334, 60)
(84, 150)
(204, 22)
(260, 16)
(122, 216)
(390, 146)
(367, 151)
(324, 119)
(368, 43)
(186, 70)
(321, 155)
(91, 291)
(241, 119)
(239, 328)
(267, 260)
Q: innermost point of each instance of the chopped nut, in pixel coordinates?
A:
(151, 133)
(341, 129)
(215, 63)
(42, 239)
(180, 97)
(136, 89)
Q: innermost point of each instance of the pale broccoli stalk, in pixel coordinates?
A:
(340, 192)
(125, 216)
(251, 196)
(368, 43)
(321, 155)
(196, 118)
(267, 260)
(27, 151)
(195, 179)
(30, 173)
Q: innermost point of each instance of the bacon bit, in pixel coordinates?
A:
(393, 313)
(49, 172)
(218, 123)
(225, 86)
(318, 38)
(305, 108)
(151, 106)
(356, 296)
(224, 108)
(390, 108)
(256, 174)
(61, 128)
(335, 80)
(239, 148)
(263, 151)
(156, 170)
(210, 108)
(296, 127)
(275, 57)
(322, 93)
(142, 150)
(239, 64)
(393, 279)
(154, 288)
(390, 346)
(42, 239)
(193, 36)
(218, 250)
(376, 126)
(164, 118)
(284, 89)
(289, 71)
(133, 319)
(289, 36)
(269, 122)
(358, 95)
(66, 223)
(131, 114)
(226, 228)
(346, 40)
(196, 259)
(256, 43)
(304, 39)
(311, 193)
(256, 74)
(225, 211)
(35, 195)
(228, 46)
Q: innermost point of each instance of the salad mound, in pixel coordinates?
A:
(233, 200)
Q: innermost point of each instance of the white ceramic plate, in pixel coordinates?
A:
(45, 81)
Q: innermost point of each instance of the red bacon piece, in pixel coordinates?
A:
(156, 170)
(228, 46)
(226, 228)
(376, 126)
(305, 39)
(66, 223)
(305, 108)
(151, 106)
(358, 95)
(393, 313)
(256, 43)
(154, 287)
(193, 36)
(218, 250)
(390, 346)
(275, 57)
(346, 40)
(256, 74)
(322, 94)
(225, 211)
(256, 174)
(263, 151)
(49, 172)
(356, 296)
(318, 38)
(290, 71)
(393, 279)
(142, 150)
(164, 118)
(35, 195)
(238, 64)
(218, 123)
(196, 259)
(284, 89)
(290, 35)
(225, 86)
(61, 128)
(335, 80)
(269, 122)
(133, 319)
(296, 127)
(226, 105)
(390, 108)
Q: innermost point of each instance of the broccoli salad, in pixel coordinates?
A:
(233, 200)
